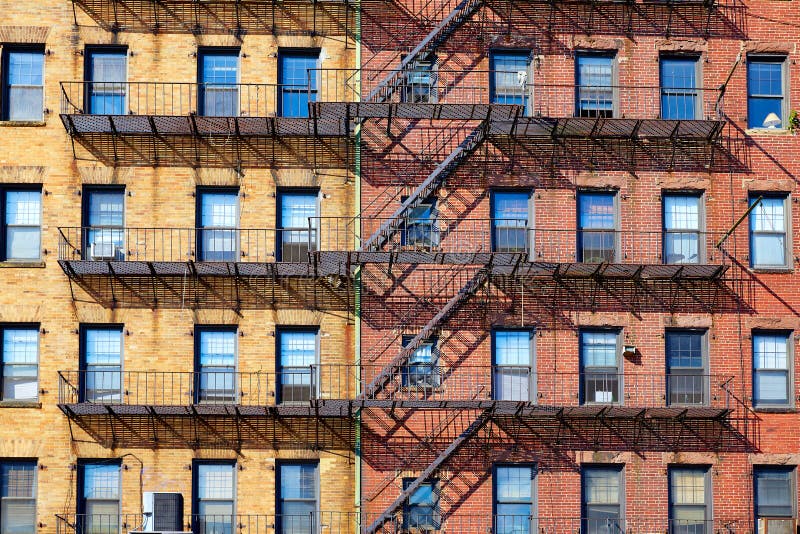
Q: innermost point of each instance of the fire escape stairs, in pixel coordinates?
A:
(383, 378)
(434, 180)
(431, 42)
(387, 514)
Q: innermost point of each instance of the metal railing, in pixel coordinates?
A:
(104, 243)
(201, 99)
(452, 523)
(468, 236)
(442, 86)
(301, 384)
(428, 381)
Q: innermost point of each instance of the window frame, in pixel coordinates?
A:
(307, 53)
(35, 486)
(81, 500)
(408, 94)
(698, 78)
(787, 231)
(579, 248)
(417, 233)
(196, 463)
(210, 51)
(790, 354)
(83, 330)
(621, 495)
(279, 500)
(19, 326)
(528, 240)
(88, 75)
(701, 224)
(708, 494)
(527, 93)
(408, 370)
(619, 368)
(436, 515)
(201, 229)
(314, 240)
(280, 330)
(199, 329)
(15, 188)
(87, 228)
(534, 494)
(5, 90)
(783, 60)
(613, 55)
(705, 368)
(792, 470)
(532, 374)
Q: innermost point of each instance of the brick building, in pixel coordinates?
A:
(398, 266)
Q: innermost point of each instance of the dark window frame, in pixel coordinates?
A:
(279, 515)
(294, 51)
(532, 382)
(787, 231)
(13, 188)
(5, 83)
(200, 193)
(88, 71)
(534, 495)
(205, 51)
(621, 497)
(280, 330)
(708, 498)
(280, 193)
(776, 58)
(529, 222)
(20, 326)
(615, 194)
(197, 525)
(83, 329)
(199, 329)
(698, 78)
(704, 369)
(619, 374)
(436, 514)
(81, 501)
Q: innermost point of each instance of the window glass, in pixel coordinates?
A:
(774, 492)
(682, 240)
(297, 357)
(771, 369)
(686, 373)
(513, 361)
(421, 509)
(420, 83)
(422, 368)
(219, 218)
(217, 365)
(599, 366)
(596, 227)
(24, 85)
(765, 92)
(219, 76)
(602, 500)
(298, 210)
(510, 83)
(18, 497)
(101, 497)
(23, 224)
(214, 501)
(102, 360)
(768, 232)
(104, 217)
(514, 499)
(595, 91)
(688, 509)
(510, 220)
(20, 364)
(679, 95)
(298, 81)
(298, 499)
(108, 72)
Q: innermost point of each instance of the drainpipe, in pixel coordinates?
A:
(357, 276)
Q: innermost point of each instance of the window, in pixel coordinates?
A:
(768, 235)
(689, 495)
(218, 221)
(23, 84)
(107, 75)
(101, 364)
(594, 73)
(687, 375)
(18, 497)
(297, 224)
(766, 87)
(597, 226)
(771, 376)
(297, 364)
(216, 364)
(421, 509)
(775, 499)
(683, 215)
(19, 371)
(514, 499)
(420, 85)
(99, 496)
(422, 368)
(298, 78)
(22, 222)
(104, 223)
(420, 230)
(513, 365)
(602, 500)
(680, 96)
(214, 501)
(510, 218)
(298, 500)
(600, 373)
(219, 77)
(511, 78)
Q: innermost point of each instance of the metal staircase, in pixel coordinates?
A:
(431, 42)
(434, 180)
(387, 514)
(386, 374)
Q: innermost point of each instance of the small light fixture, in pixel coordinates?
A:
(772, 121)
(629, 351)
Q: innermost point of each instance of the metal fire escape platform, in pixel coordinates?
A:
(236, 17)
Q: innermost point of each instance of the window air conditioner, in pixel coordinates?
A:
(777, 525)
(105, 250)
(163, 512)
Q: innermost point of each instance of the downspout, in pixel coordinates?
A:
(357, 274)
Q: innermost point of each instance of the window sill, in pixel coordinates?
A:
(20, 404)
(22, 264)
(23, 124)
(767, 270)
(767, 131)
(776, 409)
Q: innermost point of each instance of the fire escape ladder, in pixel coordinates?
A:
(387, 514)
(431, 42)
(380, 381)
(434, 180)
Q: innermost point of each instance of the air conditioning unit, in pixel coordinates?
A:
(105, 250)
(163, 512)
(777, 525)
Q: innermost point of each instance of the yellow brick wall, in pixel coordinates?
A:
(163, 197)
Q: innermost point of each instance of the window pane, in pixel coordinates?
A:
(769, 215)
(298, 349)
(219, 74)
(106, 208)
(765, 88)
(681, 212)
(596, 211)
(771, 387)
(297, 85)
(20, 345)
(595, 86)
(101, 481)
(678, 88)
(103, 346)
(599, 349)
(770, 351)
(510, 84)
(110, 67)
(18, 516)
(298, 481)
(774, 492)
(688, 486)
(25, 80)
(23, 243)
(219, 210)
(217, 348)
(512, 347)
(514, 484)
(23, 217)
(215, 481)
(684, 349)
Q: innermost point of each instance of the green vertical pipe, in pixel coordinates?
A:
(357, 277)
